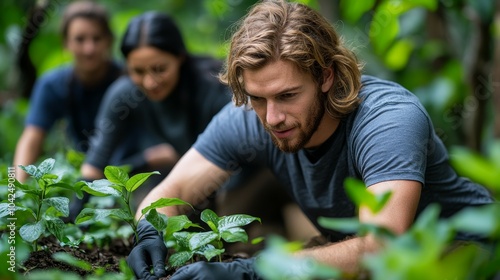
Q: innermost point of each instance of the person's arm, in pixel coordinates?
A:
(192, 179)
(397, 216)
(28, 149)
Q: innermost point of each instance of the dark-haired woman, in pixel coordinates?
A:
(71, 92)
(171, 94)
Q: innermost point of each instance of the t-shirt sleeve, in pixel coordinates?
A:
(229, 140)
(115, 114)
(46, 102)
(391, 142)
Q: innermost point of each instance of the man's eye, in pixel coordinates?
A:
(255, 98)
(287, 95)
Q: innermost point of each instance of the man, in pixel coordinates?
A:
(303, 109)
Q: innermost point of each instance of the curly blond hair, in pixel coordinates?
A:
(279, 30)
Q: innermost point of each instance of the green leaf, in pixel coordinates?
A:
(159, 221)
(353, 10)
(177, 223)
(32, 171)
(398, 54)
(60, 203)
(211, 218)
(49, 176)
(116, 175)
(137, 180)
(96, 215)
(346, 225)
(383, 29)
(56, 226)
(77, 188)
(236, 220)
(209, 251)
(356, 190)
(5, 210)
(32, 231)
(71, 260)
(164, 202)
(235, 234)
(474, 166)
(182, 238)
(483, 220)
(101, 187)
(201, 239)
(46, 166)
(180, 258)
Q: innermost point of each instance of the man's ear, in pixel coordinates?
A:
(328, 77)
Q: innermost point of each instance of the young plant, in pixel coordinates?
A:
(119, 184)
(46, 208)
(209, 243)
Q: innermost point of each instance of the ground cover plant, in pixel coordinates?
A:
(90, 248)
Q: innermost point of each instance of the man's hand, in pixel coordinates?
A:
(239, 269)
(149, 251)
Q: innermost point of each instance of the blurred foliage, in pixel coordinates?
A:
(425, 45)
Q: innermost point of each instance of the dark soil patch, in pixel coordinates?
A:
(107, 257)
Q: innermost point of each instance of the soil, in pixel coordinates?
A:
(107, 257)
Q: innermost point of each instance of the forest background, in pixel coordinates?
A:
(447, 52)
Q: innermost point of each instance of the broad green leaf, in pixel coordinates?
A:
(346, 225)
(211, 218)
(71, 260)
(235, 234)
(353, 10)
(32, 171)
(179, 258)
(116, 175)
(32, 231)
(177, 223)
(101, 187)
(96, 215)
(483, 220)
(209, 251)
(398, 54)
(137, 180)
(56, 227)
(476, 167)
(357, 192)
(159, 221)
(7, 210)
(182, 238)
(201, 239)
(383, 29)
(59, 203)
(237, 220)
(77, 188)
(164, 202)
(75, 158)
(46, 166)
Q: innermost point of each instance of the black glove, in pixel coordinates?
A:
(148, 251)
(241, 269)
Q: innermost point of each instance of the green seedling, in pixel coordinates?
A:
(119, 184)
(47, 208)
(209, 243)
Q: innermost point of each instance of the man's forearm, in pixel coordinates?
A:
(345, 255)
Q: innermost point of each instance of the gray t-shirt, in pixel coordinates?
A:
(389, 137)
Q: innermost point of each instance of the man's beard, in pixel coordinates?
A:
(311, 124)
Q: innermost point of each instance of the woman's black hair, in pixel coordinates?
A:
(153, 29)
